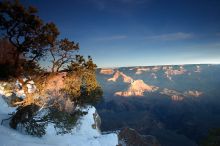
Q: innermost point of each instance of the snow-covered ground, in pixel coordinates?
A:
(82, 135)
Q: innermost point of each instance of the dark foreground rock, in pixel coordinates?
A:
(130, 137)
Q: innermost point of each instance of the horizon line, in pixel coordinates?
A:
(161, 65)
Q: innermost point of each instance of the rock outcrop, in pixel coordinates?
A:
(178, 96)
(156, 68)
(130, 137)
(193, 93)
(87, 133)
(153, 75)
(137, 88)
(198, 69)
(169, 71)
(106, 71)
(174, 95)
(141, 70)
(126, 79)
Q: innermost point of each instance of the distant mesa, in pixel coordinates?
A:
(168, 77)
(169, 71)
(164, 68)
(132, 68)
(156, 68)
(126, 79)
(178, 96)
(198, 69)
(153, 75)
(193, 93)
(106, 71)
(141, 70)
(137, 88)
(175, 95)
(115, 76)
(175, 71)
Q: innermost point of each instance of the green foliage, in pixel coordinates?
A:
(6, 71)
(62, 53)
(33, 38)
(31, 67)
(81, 84)
(213, 138)
(25, 117)
(32, 127)
(25, 30)
(63, 121)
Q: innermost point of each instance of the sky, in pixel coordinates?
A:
(120, 33)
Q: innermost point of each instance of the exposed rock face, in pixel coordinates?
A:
(175, 72)
(141, 70)
(97, 121)
(106, 71)
(153, 75)
(156, 68)
(169, 71)
(137, 88)
(198, 68)
(193, 93)
(130, 137)
(177, 96)
(115, 77)
(125, 78)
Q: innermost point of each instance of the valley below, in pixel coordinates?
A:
(177, 104)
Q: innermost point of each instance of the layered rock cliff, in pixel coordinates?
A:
(106, 71)
(126, 79)
(137, 88)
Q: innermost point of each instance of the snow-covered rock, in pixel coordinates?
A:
(85, 134)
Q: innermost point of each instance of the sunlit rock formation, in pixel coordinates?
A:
(175, 96)
(175, 71)
(193, 93)
(141, 70)
(169, 71)
(126, 79)
(106, 71)
(137, 88)
(156, 68)
(178, 96)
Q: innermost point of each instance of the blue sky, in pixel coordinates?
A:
(138, 32)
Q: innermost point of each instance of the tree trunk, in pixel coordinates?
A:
(17, 63)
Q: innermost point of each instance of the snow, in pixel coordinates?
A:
(82, 135)
(31, 86)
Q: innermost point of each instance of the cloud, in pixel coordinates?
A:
(171, 36)
(111, 38)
